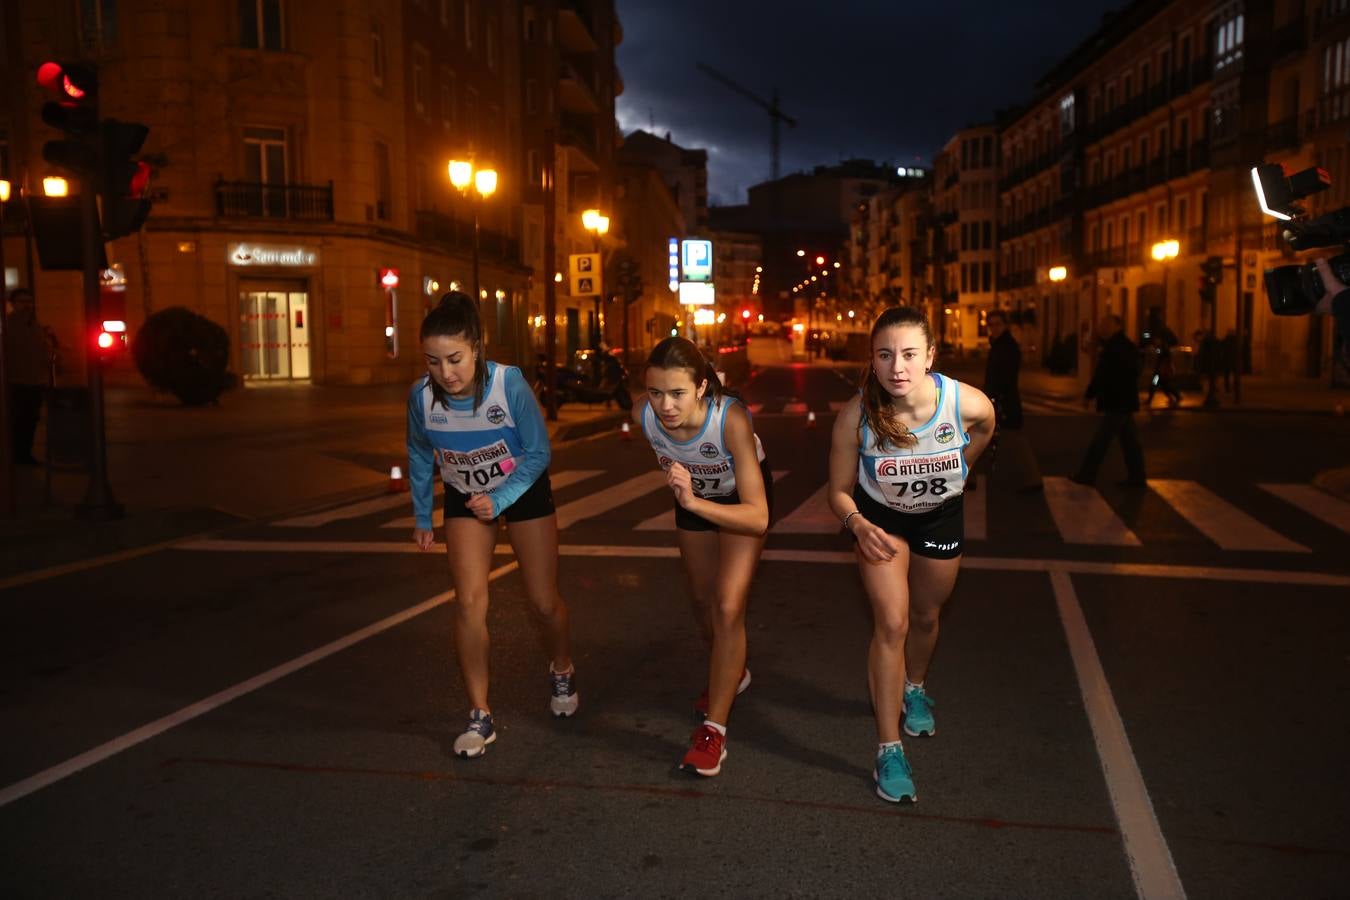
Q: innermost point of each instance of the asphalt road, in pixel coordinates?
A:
(272, 714)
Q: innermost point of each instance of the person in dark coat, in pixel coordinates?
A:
(1115, 387)
(1015, 461)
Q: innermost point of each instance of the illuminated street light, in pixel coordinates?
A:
(462, 174)
(1165, 250)
(4, 191)
(801, 252)
(1058, 273)
(55, 186)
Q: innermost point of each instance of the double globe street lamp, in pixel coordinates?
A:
(598, 226)
(484, 182)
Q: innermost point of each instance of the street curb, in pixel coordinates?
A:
(1225, 408)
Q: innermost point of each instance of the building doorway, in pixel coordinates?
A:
(274, 329)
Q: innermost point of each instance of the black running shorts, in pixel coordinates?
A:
(936, 534)
(687, 521)
(535, 503)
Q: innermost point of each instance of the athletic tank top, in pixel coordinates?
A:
(710, 464)
(920, 478)
(476, 450)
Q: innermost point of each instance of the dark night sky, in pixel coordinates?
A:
(875, 79)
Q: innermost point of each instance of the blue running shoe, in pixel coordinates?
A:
(563, 700)
(475, 739)
(893, 776)
(919, 713)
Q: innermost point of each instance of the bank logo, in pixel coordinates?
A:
(496, 415)
(945, 433)
(708, 450)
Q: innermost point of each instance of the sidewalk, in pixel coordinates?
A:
(262, 452)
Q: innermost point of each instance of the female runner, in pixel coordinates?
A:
(715, 467)
(480, 422)
(898, 463)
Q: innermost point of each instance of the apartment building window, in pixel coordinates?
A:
(261, 24)
(534, 172)
(1094, 171)
(1228, 42)
(986, 277)
(965, 281)
(383, 182)
(1126, 89)
(1143, 150)
(447, 98)
(98, 23)
(1124, 231)
(1160, 219)
(965, 236)
(1110, 97)
(1125, 159)
(988, 151)
(1145, 82)
(1162, 140)
(1184, 132)
(1165, 66)
(1183, 221)
(1095, 237)
(265, 166)
(987, 228)
(1143, 224)
(1336, 78)
(421, 62)
(1065, 115)
(377, 54)
(1110, 235)
(530, 24)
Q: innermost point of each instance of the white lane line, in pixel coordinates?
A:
(1314, 502)
(1151, 866)
(813, 516)
(610, 498)
(91, 757)
(1083, 516)
(563, 479)
(834, 557)
(1220, 521)
(666, 520)
(975, 509)
(350, 511)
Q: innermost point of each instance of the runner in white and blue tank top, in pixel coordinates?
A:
(479, 424)
(898, 464)
(706, 443)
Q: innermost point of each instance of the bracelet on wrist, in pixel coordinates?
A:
(856, 512)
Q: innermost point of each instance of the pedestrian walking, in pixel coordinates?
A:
(714, 463)
(898, 464)
(480, 423)
(1160, 345)
(1002, 370)
(28, 357)
(1228, 358)
(1115, 387)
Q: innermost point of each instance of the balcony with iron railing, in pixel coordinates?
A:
(456, 236)
(301, 202)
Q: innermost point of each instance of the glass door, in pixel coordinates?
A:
(274, 327)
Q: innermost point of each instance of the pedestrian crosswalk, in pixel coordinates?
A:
(1081, 515)
(793, 406)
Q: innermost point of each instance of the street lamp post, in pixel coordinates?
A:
(598, 226)
(1057, 274)
(6, 450)
(484, 182)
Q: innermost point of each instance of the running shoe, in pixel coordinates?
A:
(919, 713)
(473, 742)
(701, 704)
(893, 776)
(707, 749)
(565, 698)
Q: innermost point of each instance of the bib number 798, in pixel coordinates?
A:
(935, 486)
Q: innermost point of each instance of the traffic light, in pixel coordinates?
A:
(745, 314)
(72, 108)
(125, 181)
(1213, 269)
(1209, 292)
(110, 335)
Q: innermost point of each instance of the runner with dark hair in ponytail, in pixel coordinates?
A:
(480, 423)
(715, 466)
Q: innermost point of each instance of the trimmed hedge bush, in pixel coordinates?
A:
(185, 354)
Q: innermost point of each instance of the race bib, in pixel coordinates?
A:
(479, 471)
(708, 479)
(914, 484)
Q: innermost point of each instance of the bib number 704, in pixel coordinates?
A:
(934, 486)
(481, 477)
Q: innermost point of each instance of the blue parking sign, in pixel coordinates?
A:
(696, 260)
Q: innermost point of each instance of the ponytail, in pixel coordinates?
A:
(876, 401)
(682, 353)
(456, 315)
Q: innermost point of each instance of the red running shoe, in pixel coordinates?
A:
(701, 704)
(707, 749)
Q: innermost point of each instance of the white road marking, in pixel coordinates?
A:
(975, 509)
(666, 520)
(833, 557)
(1220, 521)
(1314, 502)
(103, 751)
(610, 498)
(1083, 516)
(1151, 865)
(562, 479)
(350, 511)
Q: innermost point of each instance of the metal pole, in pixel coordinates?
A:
(1237, 292)
(477, 296)
(6, 448)
(550, 286)
(98, 500)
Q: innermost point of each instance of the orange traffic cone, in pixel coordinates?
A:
(810, 419)
(397, 483)
(625, 432)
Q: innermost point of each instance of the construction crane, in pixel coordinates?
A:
(776, 115)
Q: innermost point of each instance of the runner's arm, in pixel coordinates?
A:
(751, 515)
(534, 440)
(977, 415)
(876, 545)
(421, 461)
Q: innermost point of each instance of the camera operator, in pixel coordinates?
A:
(1335, 299)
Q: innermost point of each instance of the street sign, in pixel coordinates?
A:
(694, 293)
(584, 269)
(696, 260)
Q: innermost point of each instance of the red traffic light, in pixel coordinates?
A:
(745, 314)
(69, 84)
